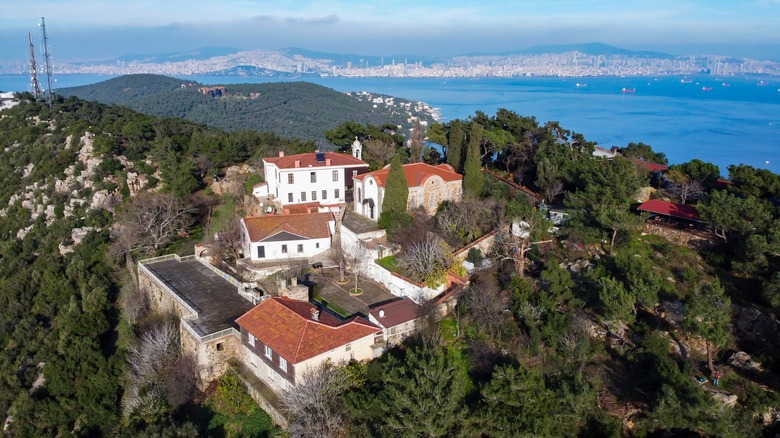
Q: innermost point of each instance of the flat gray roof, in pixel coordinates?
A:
(216, 300)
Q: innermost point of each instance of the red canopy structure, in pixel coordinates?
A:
(671, 209)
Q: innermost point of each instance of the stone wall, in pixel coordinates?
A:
(699, 239)
(484, 244)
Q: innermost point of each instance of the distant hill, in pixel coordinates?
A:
(594, 49)
(291, 109)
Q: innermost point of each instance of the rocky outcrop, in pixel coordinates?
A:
(743, 362)
(754, 326)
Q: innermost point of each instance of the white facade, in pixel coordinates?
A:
(284, 245)
(301, 178)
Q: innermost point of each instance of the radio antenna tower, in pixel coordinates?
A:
(47, 66)
(34, 84)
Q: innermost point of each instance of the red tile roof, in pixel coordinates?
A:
(396, 312)
(649, 166)
(670, 209)
(416, 174)
(287, 327)
(310, 225)
(310, 160)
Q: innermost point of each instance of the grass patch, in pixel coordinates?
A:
(389, 263)
(338, 310)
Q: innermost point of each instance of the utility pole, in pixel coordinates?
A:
(48, 67)
(35, 85)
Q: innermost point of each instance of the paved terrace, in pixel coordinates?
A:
(338, 294)
(215, 299)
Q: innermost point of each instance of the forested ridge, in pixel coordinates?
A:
(593, 328)
(292, 109)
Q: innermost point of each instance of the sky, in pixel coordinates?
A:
(103, 29)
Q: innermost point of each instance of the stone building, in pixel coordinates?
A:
(428, 187)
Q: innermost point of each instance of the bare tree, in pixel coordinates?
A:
(358, 259)
(486, 307)
(465, 221)
(379, 152)
(229, 244)
(147, 223)
(513, 242)
(338, 256)
(425, 258)
(158, 370)
(684, 187)
(314, 408)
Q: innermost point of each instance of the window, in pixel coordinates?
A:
(335, 175)
(303, 196)
(291, 179)
(336, 193)
(251, 339)
(220, 346)
(268, 352)
(261, 252)
(300, 248)
(348, 347)
(318, 245)
(360, 195)
(282, 364)
(313, 176)
(354, 173)
(324, 194)
(313, 195)
(284, 249)
(289, 197)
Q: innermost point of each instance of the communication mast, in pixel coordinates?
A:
(34, 84)
(47, 66)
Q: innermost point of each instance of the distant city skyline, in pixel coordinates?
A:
(95, 29)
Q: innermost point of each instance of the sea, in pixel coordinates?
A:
(721, 119)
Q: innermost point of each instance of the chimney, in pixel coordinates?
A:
(282, 285)
(316, 151)
(294, 281)
(297, 163)
(327, 161)
(281, 154)
(315, 314)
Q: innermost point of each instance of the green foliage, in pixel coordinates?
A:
(473, 179)
(235, 412)
(299, 110)
(396, 189)
(617, 302)
(518, 402)
(436, 134)
(708, 314)
(251, 181)
(698, 170)
(455, 146)
(751, 182)
(475, 256)
(643, 152)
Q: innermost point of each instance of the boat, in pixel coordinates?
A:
(582, 84)
(628, 90)
(706, 88)
(686, 81)
(762, 83)
(726, 84)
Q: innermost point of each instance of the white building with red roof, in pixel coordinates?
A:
(322, 177)
(284, 237)
(428, 187)
(283, 338)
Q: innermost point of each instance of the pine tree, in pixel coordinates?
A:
(455, 148)
(396, 189)
(473, 180)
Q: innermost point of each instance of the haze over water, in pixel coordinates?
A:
(728, 124)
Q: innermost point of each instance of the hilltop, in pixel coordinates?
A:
(292, 109)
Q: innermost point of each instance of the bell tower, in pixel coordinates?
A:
(357, 149)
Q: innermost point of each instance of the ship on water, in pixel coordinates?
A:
(628, 90)
(581, 84)
(686, 81)
(706, 88)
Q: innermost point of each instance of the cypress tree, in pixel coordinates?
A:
(455, 147)
(396, 189)
(473, 180)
